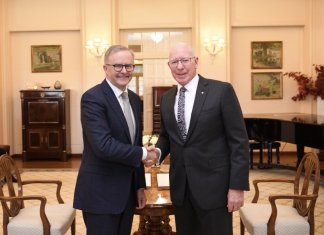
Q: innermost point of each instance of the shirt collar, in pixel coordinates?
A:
(192, 85)
(115, 89)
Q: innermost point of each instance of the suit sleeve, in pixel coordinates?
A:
(237, 139)
(100, 127)
(163, 142)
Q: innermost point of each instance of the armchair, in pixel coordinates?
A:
(44, 219)
(276, 219)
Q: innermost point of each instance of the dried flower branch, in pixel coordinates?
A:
(306, 84)
(319, 83)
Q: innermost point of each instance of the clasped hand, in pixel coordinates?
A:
(152, 156)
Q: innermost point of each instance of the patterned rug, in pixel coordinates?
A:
(68, 177)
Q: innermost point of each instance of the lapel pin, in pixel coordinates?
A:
(202, 92)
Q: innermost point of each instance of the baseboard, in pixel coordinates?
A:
(72, 155)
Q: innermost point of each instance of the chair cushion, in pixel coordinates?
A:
(28, 221)
(255, 218)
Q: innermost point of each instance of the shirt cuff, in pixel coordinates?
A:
(144, 153)
(159, 150)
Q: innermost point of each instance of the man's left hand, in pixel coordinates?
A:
(141, 198)
(235, 200)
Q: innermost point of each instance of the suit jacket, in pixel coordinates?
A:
(111, 166)
(215, 155)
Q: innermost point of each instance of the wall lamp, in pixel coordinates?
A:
(157, 37)
(97, 47)
(214, 45)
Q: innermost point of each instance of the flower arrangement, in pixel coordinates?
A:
(150, 139)
(306, 84)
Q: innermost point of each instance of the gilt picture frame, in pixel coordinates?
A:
(266, 85)
(46, 58)
(266, 55)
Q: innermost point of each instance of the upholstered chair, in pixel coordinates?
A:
(278, 219)
(43, 219)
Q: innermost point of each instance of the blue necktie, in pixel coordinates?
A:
(181, 113)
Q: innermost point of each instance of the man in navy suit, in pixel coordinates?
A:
(111, 179)
(204, 133)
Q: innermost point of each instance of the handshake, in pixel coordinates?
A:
(152, 156)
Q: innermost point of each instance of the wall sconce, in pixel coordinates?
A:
(97, 47)
(157, 37)
(214, 45)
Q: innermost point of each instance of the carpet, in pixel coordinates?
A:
(68, 177)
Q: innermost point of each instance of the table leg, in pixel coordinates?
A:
(154, 225)
(141, 226)
(167, 229)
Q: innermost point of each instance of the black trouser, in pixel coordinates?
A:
(192, 220)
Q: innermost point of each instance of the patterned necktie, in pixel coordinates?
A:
(181, 113)
(128, 115)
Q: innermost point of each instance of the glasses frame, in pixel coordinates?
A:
(115, 66)
(174, 63)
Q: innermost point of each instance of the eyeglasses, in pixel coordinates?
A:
(183, 61)
(119, 67)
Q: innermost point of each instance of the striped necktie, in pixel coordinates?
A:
(128, 115)
(181, 113)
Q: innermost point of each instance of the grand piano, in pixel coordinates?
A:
(296, 128)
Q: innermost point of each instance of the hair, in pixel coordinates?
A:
(183, 45)
(116, 48)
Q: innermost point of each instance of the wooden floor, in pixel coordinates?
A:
(287, 160)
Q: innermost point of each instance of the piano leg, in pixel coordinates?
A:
(300, 153)
(269, 148)
(261, 165)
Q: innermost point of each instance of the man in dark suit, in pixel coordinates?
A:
(203, 130)
(111, 178)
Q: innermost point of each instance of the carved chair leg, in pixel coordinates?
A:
(242, 227)
(73, 227)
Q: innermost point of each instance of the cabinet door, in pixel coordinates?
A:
(39, 139)
(35, 139)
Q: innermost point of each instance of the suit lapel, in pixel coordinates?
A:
(200, 98)
(114, 104)
(169, 104)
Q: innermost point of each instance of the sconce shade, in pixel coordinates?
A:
(97, 47)
(157, 37)
(214, 45)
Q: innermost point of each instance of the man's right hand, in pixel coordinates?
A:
(152, 156)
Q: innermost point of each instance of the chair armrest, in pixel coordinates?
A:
(57, 182)
(274, 211)
(256, 187)
(12, 212)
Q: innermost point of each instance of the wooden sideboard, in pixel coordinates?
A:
(157, 92)
(45, 124)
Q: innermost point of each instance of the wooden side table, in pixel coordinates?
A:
(154, 217)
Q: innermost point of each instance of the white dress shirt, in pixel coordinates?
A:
(190, 95)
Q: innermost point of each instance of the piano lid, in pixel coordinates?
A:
(310, 119)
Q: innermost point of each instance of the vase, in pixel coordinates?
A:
(57, 85)
(320, 106)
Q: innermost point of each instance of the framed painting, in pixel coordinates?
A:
(266, 85)
(266, 55)
(46, 58)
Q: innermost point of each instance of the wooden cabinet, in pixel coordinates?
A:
(157, 93)
(45, 124)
